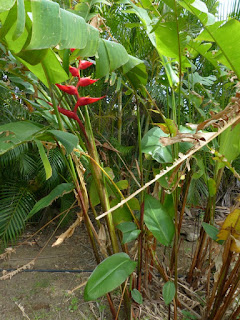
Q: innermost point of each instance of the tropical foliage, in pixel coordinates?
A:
(132, 108)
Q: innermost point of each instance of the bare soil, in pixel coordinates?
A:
(46, 295)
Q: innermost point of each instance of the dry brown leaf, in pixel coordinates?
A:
(231, 228)
(68, 233)
(6, 255)
(108, 147)
(97, 21)
(187, 137)
(220, 118)
(102, 240)
(13, 273)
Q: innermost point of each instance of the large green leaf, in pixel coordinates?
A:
(68, 30)
(49, 69)
(16, 35)
(108, 275)
(69, 140)
(158, 220)
(20, 26)
(102, 62)
(167, 39)
(92, 43)
(229, 144)
(16, 133)
(151, 145)
(200, 9)
(117, 54)
(57, 192)
(225, 34)
(73, 31)
(6, 5)
(135, 71)
(46, 32)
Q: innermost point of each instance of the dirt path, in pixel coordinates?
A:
(45, 295)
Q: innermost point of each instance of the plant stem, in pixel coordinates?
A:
(140, 238)
(97, 175)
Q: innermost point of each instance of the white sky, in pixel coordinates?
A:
(224, 6)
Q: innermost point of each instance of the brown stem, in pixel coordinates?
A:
(112, 309)
(158, 265)
(187, 184)
(235, 314)
(221, 281)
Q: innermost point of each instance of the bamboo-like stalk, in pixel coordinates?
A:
(140, 237)
(97, 175)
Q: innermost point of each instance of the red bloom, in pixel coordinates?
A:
(72, 49)
(74, 71)
(83, 82)
(68, 89)
(82, 101)
(83, 64)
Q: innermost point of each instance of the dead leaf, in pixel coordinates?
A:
(102, 240)
(6, 255)
(231, 228)
(68, 233)
(13, 273)
(195, 138)
(220, 118)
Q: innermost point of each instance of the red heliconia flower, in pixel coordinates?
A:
(84, 82)
(74, 71)
(83, 64)
(83, 101)
(68, 89)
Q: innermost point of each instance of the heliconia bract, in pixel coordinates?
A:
(84, 82)
(84, 64)
(68, 89)
(74, 71)
(83, 101)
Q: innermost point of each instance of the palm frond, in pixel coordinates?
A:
(13, 155)
(16, 203)
(198, 192)
(58, 167)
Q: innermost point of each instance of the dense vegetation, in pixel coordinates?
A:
(129, 110)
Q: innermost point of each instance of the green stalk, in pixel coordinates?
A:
(97, 175)
(120, 117)
(140, 238)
